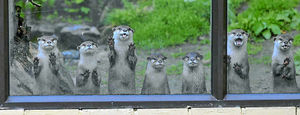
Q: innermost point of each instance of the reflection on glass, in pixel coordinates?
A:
(103, 47)
(263, 46)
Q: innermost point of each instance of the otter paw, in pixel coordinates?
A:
(53, 66)
(237, 68)
(36, 68)
(286, 61)
(111, 43)
(36, 62)
(95, 78)
(86, 74)
(52, 59)
(131, 48)
(228, 59)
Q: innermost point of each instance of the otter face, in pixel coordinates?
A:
(157, 60)
(87, 47)
(238, 37)
(283, 42)
(192, 59)
(123, 33)
(47, 42)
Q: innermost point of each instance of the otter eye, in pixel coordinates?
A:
(233, 33)
(243, 32)
(83, 45)
(119, 29)
(44, 40)
(280, 39)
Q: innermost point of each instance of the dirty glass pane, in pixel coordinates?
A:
(101, 47)
(263, 46)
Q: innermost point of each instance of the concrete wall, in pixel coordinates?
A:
(182, 111)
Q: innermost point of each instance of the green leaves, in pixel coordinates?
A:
(275, 28)
(265, 18)
(78, 1)
(85, 10)
(171, 22)
(258, 28)
(267, 34)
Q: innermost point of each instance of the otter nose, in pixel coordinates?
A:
(48, 42)
(285, 42)
(159, 61)
(239, 35)
(89, 45)
(192, 59)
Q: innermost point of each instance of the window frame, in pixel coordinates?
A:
(217, 98)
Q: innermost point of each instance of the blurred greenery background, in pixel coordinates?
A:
(165, 23)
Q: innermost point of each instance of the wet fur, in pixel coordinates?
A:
(238, 65)
(193, 81)
(156, 80)
(283, 67)
(122, 60)
(88, 76)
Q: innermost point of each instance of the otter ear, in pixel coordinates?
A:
(54, 36)
(200, 57)
(164, 58)
(39, 38)
(114, 28)
(184, 58)
(248, 35)
(274, 38)
(131, 30)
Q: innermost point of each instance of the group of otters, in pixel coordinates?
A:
(122, 58)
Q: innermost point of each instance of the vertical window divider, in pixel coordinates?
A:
(3, 51)
(218, 36)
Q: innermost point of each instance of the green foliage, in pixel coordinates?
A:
(233, 6)
(175, 69)
(267, 18)
(78, 1)
(51, 2)
(162, 23)
(297, 61)
(205, 41)
(254, 48)
(85, 9)
(207, 56)
(178, 54)
(71, 10)
(297, 40)
(267, 60)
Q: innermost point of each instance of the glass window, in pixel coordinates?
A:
(263, 46)
(101, 47)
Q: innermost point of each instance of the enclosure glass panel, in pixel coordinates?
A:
(102, 47)
(263, 44)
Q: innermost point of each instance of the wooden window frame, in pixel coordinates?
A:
(217, 98)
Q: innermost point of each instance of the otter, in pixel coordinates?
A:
(51, 77)
(122, 59)
(88, 79)
(283, 66)
(156, 80)
(237, 63)
(193, 81)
